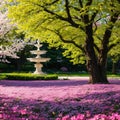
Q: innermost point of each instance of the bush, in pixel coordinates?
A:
(3, 77)
(28, 76)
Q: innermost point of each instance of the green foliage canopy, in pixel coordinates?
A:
(62, 23)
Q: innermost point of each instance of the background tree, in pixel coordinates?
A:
(85, 28)
(115, 56)
(8, 46)
(59, 63)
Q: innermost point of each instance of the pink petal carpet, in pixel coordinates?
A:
(59, 100)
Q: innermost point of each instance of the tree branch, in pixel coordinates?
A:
(51, 3)
(69, 19)
(96, 26)
(118, 1)
(80, 2)
(43, 21)
(94, 15)
(70, 41)
(97, 48)
(64, 19)
(113, 45)
(89, 2)
(108, 33)
(98, 37)
(66, 41)
(86, 16)
(53, 13)
(75, 8)
(68, 10)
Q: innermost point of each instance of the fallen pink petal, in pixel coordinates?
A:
(59, 100)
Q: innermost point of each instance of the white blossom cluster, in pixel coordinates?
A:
(11, 50)
(11, 47)
(5, 25)
(15, 45)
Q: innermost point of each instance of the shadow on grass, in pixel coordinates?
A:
(59, 83)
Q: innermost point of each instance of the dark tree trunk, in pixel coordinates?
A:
(96, 63)
(95, 66)
(97, 72)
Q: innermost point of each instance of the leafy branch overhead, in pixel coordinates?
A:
(85, 27)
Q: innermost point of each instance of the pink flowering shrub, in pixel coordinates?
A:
(64, 69)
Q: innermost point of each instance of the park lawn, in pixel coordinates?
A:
(63, 74)
(86, 75)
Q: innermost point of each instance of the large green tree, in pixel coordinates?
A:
(85, 28)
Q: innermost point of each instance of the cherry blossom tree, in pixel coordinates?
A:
(9, 46)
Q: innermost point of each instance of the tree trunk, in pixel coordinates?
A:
(95, 66)
(96, 62)
(97, 72)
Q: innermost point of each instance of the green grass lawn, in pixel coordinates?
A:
(48, 76)
(85, 74)
(113, 75)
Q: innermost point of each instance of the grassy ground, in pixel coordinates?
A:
(85, 74)
(2, 75)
